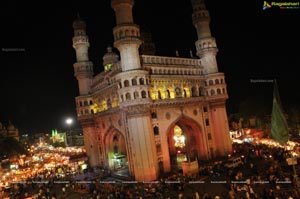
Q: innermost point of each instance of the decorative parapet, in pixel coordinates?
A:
(177, 101)
(159, 60)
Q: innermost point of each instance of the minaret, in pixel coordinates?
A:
(126, 35)
(134, 95)
(215, 86)
(206, 44)
(83, 71)
(83, 68)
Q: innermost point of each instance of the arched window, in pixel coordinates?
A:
(211, 82)
(156, 130)
(126, 83)
(201, 91)
(217, 81)
(224, 91)
(133, 82)
(206, 122)
(205, 83)
(153, 115)
(218, 91)
(108, 101)
(136, 94)
(128, 97)
(167, 94)
(194, 92)
(222, 81)
(91, 102)
(86, 103)
(158, 148)
(120, 85)
(92, 111)
(142, 81)
(144, 94)
(178, 91)
(80, 103)
(121, 34)
(212, 92)
(184, 93)
(158, 94)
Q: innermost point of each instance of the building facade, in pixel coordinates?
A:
(143, 110)
(9, 131)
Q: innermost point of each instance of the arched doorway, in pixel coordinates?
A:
(115, 149)
(186, 142)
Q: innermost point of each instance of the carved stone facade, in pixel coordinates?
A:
(131, 110)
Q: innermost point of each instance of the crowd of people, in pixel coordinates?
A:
(263, 175)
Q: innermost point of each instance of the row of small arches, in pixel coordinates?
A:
(170, 61)
(135, 95)
(199, 8)
(86, 112)
(133, 82)
(177, 72)
(217, 91)
(201, 14)
(127, 33)
(206, 45)
(213, 82)
(85, 103)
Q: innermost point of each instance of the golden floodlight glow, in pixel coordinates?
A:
(178, 137)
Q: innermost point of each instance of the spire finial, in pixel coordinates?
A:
(191, 53)
(109, 49)
(177, 53)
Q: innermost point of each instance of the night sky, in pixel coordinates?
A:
(38, 86)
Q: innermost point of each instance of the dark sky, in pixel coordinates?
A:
(38, 86)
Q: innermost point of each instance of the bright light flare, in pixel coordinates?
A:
(69, 121)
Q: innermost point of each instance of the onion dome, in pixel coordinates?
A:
(79, 23)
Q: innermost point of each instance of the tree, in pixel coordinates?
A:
(10, 147)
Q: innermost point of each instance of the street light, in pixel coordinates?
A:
(69, 121)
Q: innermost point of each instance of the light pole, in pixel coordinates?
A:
(69, 122)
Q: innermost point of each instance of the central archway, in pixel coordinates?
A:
(115, 150)
(186, 141)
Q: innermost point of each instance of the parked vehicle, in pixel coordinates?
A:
(234, 162)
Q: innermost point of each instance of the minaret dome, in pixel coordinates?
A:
(79, 23)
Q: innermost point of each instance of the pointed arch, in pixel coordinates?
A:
(115, 148)
(196, 145)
